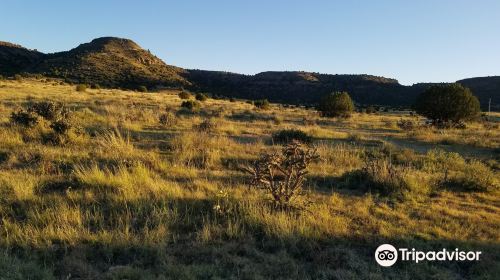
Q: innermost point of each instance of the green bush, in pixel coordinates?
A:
(201, 97)
(449, 103)
(262, 104)
(337, 104)
(142, 89)
(475, 177)
(391, 181)
(191, 105)
(18, 77)
(95, 86)
(185, 95)
(81, 87)
(288, 135)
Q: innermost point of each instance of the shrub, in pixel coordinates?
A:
(191, 105)
(18, 77)
(232, 99)
(394, 182)
(475, 177)
(206, 126)
(201, 97)
(142, 89)
(49, 110)
(60, 134)
(282, 175)
(437, 160)
(95, 86)
(289, 135)
(447, 103)
(1, 77)
(262, 104)
(184, 95)
(371, 110)
(24, 118)
(337, 104)
(168, 119)
(61, 126)
(81, 87)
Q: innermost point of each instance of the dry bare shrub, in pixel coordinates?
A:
(282, 175)
(207, 126)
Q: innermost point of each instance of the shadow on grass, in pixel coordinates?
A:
(254, 253)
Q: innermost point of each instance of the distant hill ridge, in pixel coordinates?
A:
(118, 62)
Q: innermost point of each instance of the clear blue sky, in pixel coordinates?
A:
(412, 41)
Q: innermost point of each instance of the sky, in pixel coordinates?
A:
(411, 41)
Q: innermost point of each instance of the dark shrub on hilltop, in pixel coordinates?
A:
(262, 104)
(371, 110)
(450, 103)
(201, 97)
(337, 104)
(142, 89)
(184, 95)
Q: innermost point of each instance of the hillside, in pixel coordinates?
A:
(107, 61)
(303, 87)
(115, 62)
(485, 88)
(15, 58)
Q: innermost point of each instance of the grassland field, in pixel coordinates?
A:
(127, 197)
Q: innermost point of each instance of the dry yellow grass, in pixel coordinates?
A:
(147, 200)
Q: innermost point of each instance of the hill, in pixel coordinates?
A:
(107, 61)
(303, 87)
(15, 58)
(485, 88)
(115, 62)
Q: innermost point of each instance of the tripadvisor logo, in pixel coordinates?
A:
(387, 255)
